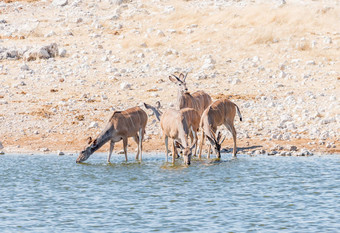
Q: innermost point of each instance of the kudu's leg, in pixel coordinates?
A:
(174, 152)
(193, 139)
(136, 139)
(231, 128)
(213, 129)
(209, 148)
(140, 145)
(201, 145)
(166, 140)
(112, 144)
(125, 143)
(234, 138)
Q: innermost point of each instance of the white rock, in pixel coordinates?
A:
(310, 62)
(60, 2)
(160, 33)
(62, 52)
(313, 44)
(201, 76)
(117, 2)
(170, 52)
(1, 146)
(282, 74)
(78, 20)
(105, 58)
(24, 67)
(93, 125)
(60, 152)
(208, 67)
(51, 33)
(332, 98)
(282, 66)
(104, 97)
(236, 81)
(209, 61)
(255, 59)
(44, 52)
(172, 31)
(327, 40)
(125, 85)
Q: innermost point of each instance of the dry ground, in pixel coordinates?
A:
(232, 35)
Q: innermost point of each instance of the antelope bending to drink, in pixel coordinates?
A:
(199, 100)
(122, 124)
(220, 112)
(177, 124)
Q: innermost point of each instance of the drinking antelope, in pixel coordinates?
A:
(199, 100)
(121, 126)
(177, 124)
(220, 112)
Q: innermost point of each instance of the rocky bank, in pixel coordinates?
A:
(66, 65)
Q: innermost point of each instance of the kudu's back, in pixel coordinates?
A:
(129, 121)
(198, 101)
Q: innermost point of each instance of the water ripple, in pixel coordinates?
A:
(54, 194)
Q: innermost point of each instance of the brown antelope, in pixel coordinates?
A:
(199, 100)
(121, 126)
(177, 124)
(220, 112)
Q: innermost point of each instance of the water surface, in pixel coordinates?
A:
(49, 193)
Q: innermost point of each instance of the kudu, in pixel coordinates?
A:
(199, 100)
(176, 124)
(220, 112)
(121, 126)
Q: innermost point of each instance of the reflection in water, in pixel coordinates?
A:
(51, 193)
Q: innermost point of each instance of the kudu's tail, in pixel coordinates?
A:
(238, 112)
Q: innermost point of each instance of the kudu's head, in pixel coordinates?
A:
(187, 152)
(216, 143)
(180, 82)
(85, 154)
(156, 110)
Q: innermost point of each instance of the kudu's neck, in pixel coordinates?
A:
(102, 138)
(180, 92)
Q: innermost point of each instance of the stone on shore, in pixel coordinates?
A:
(60, 2)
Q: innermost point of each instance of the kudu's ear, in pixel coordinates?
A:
(218, 136)
(146, 106)
(185, 77)
(181, 77)
(178, 144)
(211, 140)
(213, 134)
(89, 140)
(222, 140)
(172, 79)
(158, 105)
(94, 143)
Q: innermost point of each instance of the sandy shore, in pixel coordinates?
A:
(278, 62)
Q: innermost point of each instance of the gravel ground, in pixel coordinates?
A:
(65, 66)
